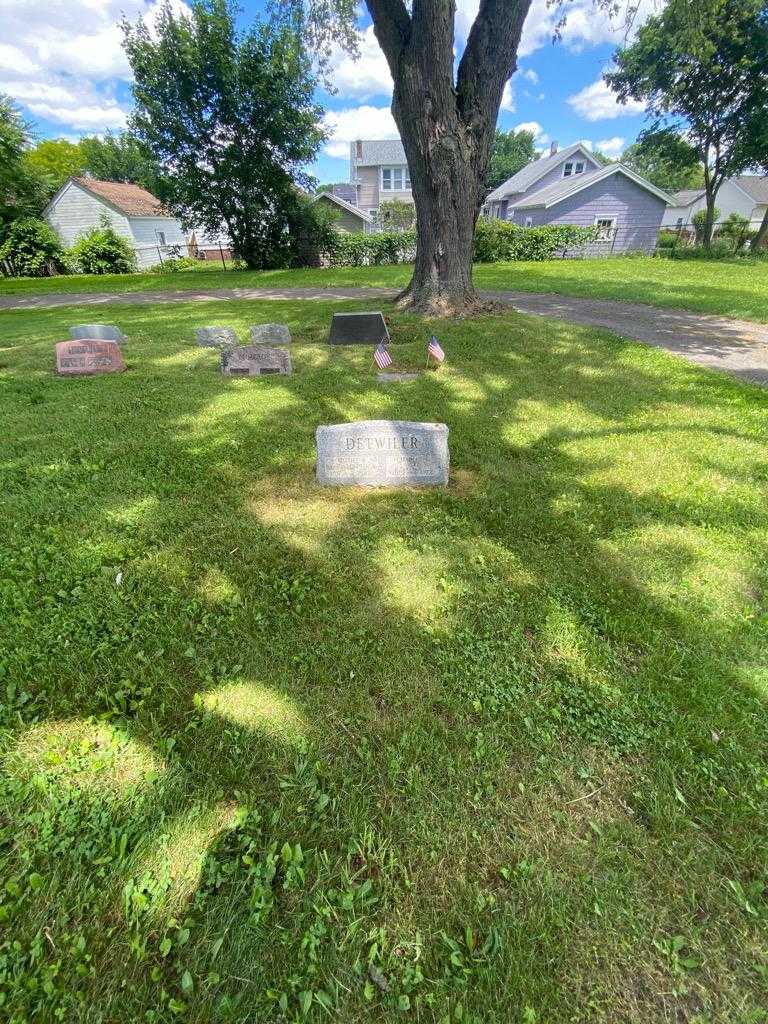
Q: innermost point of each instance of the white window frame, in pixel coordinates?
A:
(402, 172)
(576, 167)
(611, 230)
(529, 222)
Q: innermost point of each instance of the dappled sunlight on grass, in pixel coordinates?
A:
(254, 706)
(90, 756)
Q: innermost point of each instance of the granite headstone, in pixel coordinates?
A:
(98, 332)
(358, 329)
(270, 334)
(383, 453)
(215, 337)
(85, 357)
(255, 361)
(396, 376)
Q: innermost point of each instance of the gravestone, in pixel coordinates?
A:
(270, 334)
(394, 376)
(255, 361)
(358, 329)
(98, 332)
(215, 337)
(85, 357)
(383, 453)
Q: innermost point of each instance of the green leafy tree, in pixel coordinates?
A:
(446, 109)
(122, 157)
(396, 215)
(56, 160)
(707, 70)
(30, 248)
(510, 153)
(231, 119)
(22, 188)
(666, 159)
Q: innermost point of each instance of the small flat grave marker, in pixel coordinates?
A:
(383, 453)
(98, 332)
(84, 357)
(215, 337)
(270, 334)
(358, 329)
(255, 361)
(393, 376)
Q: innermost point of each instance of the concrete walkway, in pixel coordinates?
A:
(738, 347)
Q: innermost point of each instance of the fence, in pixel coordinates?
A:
(210, 249)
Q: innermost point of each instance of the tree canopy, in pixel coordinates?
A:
(666, 159)
(230, 118)
(511, 152)
(56, 160)
(122, 157)
(23, 189)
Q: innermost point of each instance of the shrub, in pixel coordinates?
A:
(698, 220)
(102, 251)
(361, 250)
(31, 249)
(719, 249)
(735, 228)
(498, 240)
(174, 264)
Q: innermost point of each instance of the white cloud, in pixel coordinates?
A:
(586, 24)
(365, 77)
(366, 122)
(530, 75)
(12, 59)
(597, 102)
(539, 135)
(612, 147)
(587, 144)
(508, 98)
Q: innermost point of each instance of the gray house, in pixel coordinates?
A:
(378, 171)
(571, 187)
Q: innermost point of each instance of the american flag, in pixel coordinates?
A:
(434, 350)
(381, 357)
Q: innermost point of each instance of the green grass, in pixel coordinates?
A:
(489, 754)
(736, 288)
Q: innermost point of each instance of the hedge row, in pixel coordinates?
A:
(30, 248)
(495, 240)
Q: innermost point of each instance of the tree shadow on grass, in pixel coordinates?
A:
(374, 675)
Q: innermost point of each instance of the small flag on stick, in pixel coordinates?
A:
(381, 357)
(434, 349)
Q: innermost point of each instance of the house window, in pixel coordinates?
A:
(572, 167)
(395, 179)
(160, 237)
(529, 222)
(679, 222)
(606, 227)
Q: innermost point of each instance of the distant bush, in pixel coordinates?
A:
(175, 264)
(719, 249)
(735, 228)
(362, 250)
(31, 249)
(498, 240)
(102, 251)
(699, 220)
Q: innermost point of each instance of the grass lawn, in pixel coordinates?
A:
(489, 754)
(737, 288)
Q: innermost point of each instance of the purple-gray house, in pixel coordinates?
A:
(572, 187)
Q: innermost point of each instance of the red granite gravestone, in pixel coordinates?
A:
(85, 357)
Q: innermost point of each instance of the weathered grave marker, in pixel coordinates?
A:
(215, 337)
(358, 329)
(255, 361)
(394, 376)
(383, 453)
(98, 332)
(270, 334)
(84, 357)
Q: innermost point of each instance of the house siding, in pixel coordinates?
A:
(730, 199)
(638, 213)
(346, 221)
(144, 238)
(369, 189)
(76, 211)
(556, 174)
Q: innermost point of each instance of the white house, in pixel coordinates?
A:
(134, 213)
(746, 195)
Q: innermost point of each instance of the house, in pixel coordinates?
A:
(135, 214)
(349, 218)
(378, 171)
(746, 195)
(204, 245)
(570, 186)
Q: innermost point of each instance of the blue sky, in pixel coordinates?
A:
(63, 63)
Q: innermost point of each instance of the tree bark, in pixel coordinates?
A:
(761, 237)
(447, 130)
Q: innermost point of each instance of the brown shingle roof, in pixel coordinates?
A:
(132, 200)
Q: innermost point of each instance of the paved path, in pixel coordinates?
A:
(736, 346)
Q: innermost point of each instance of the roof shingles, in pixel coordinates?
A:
(132, 200)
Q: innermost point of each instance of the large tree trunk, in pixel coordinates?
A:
(447, 128)
(761, 237)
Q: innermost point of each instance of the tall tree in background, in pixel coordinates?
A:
(122, 157)
(511, 152)
(446, 112)
(707, 72)
(231, 119)
(666, 159)
(56, 160)
(23, 189)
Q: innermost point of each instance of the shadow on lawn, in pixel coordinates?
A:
(365, 669)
